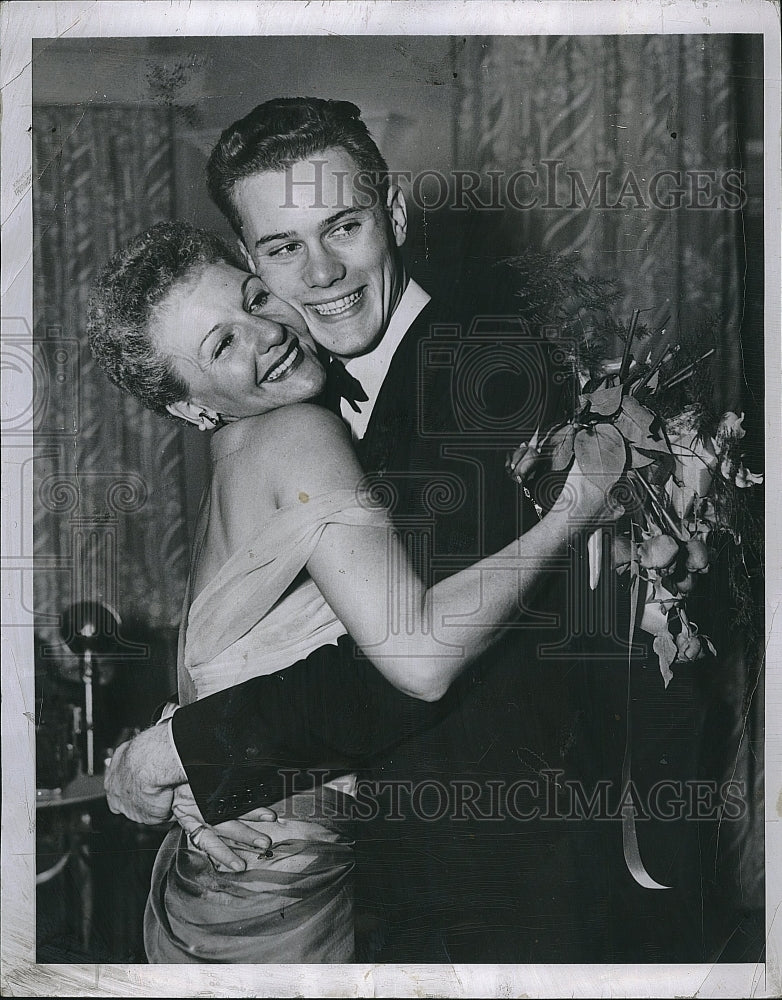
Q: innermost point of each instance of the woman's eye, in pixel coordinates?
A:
(223, 344)
(255, 295)
(257, 301)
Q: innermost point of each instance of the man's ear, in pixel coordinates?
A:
(396, 206)
(200, 416)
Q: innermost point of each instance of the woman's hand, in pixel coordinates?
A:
(590, 501)
(214, 840)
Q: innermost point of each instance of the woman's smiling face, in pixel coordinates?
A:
(241, 350)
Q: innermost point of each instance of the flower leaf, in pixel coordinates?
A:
(651, 447)
(634, 420)
(592, 384)
(661, 470)
(562, 447)
(605, 402)
(548, 437)
(639, 460)
(601, 451)
(665, 648)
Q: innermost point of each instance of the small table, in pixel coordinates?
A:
(84, 788)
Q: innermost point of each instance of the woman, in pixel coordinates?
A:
(176, 321)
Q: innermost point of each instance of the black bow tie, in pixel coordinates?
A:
(341, 384)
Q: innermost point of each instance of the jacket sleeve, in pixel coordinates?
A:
(254, 744)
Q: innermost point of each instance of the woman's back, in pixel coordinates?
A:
(253, 609)
(235, 505)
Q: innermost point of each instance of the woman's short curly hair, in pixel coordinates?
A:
(124, 295)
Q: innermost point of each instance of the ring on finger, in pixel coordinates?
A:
(193, 834)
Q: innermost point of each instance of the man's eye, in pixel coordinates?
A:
(284, 251)
(223, 344)
(346, 229)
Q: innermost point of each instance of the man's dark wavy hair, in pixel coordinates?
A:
(124, 295)
(281, 132)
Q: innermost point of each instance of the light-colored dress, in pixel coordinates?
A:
(296, 906)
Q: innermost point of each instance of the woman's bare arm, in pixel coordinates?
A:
(420, 639)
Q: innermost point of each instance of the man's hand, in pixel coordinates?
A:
(142, 775)
(216, 841)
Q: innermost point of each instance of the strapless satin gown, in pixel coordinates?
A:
(296, 906)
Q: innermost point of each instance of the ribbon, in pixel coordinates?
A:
(630, 847)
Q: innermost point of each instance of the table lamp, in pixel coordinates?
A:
(90, 628)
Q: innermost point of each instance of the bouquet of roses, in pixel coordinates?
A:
(647, 423)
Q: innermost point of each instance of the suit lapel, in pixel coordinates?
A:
(392, 425)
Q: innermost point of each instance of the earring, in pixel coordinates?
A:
(204, 417)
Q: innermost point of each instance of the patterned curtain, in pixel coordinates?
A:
(109, 511)
(624, 108)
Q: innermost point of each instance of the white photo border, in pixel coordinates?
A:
(21, 22)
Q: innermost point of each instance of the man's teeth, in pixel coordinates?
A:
(279, 370)
(333, 308)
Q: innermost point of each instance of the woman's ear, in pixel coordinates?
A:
(200, 416)
(396, 206)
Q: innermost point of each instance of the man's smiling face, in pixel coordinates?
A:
(316, 245)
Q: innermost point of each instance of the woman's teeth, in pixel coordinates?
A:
(279, 370)
(340, 305)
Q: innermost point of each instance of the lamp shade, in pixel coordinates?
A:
(90, 626)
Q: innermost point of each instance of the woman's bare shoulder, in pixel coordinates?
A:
(300, 425)
(301, 446)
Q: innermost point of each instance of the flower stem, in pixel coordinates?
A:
(659, 355)
(685, 372)
(625, 365)
(660, 510)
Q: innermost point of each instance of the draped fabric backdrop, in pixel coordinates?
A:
(634, 103)
(108, 516)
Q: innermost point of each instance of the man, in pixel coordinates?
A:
(434, 389)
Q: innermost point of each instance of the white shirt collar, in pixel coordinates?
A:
(371, 368)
